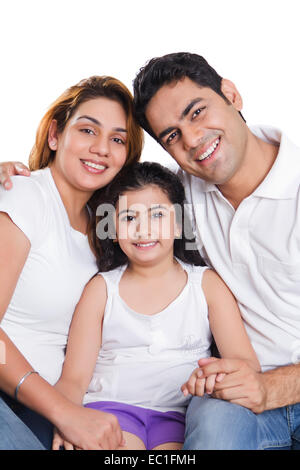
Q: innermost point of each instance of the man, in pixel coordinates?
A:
(244, 188)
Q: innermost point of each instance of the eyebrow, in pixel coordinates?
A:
(158, 206)
(184, 113)
(98, 123)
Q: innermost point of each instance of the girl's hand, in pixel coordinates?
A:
(198, 385)
(59, 442)
(8, 169)
(195, 384)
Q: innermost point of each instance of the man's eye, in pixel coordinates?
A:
(172, 137)
(197, 112)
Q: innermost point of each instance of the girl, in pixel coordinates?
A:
(148, 316)
(85, 138)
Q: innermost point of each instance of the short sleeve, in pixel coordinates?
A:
(26, 205)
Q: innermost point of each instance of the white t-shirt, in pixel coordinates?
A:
(144, 359)
(256, 251)
(59, 264)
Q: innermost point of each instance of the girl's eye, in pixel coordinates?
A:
(157, 215)
(128, 218)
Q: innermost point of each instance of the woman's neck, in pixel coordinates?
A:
(74, 201)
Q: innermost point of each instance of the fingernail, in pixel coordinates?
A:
(199, 373)
(7, 185)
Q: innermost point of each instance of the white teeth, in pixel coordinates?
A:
(146, 244)
(94, 165)
(209, 150)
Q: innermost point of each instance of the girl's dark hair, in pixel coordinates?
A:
(108, 253)
(163, 70)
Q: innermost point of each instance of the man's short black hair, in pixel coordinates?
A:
(166, 69)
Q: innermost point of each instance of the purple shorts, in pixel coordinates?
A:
(152, 427)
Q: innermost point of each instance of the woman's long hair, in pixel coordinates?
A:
(137, 176)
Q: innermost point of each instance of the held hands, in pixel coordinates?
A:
(241, 384)
(198, 385)
(8, 169)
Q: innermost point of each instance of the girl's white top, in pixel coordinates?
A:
(144, 359)
(58, 266)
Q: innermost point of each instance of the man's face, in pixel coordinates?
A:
(199, 129)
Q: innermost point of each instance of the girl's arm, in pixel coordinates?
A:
(84, 341)
(226, 322)
(86, 428)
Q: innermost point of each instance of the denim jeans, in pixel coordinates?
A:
(213, 424)
(14, 434)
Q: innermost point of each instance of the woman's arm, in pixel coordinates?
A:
(84, 341)
(8, 169)
(86, 428)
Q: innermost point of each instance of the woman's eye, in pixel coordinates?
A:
(128, 218)
(118, 140)
(87, 131)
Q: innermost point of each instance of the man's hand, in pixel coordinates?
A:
(89, 429)
(8, 169)
(241, 385)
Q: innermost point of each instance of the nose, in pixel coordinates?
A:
(100, 145)
(191, 137)
(143, 227)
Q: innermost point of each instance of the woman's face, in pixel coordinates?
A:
(91, 150)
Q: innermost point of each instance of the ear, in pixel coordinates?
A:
(53, 135)
(230, 91)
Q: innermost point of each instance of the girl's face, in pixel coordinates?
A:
(145, 225)
(91, 150)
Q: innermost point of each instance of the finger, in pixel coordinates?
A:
(199, 387)
(5, 179)
(233, 393)
(210, 383)
(227, 366)
(21, 169)
(184, 389)
(57, 442)
(68, 446)
(191, 383)
(220, 377)
(206, 360)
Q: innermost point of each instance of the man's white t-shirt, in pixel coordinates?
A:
(256, 251)
(59, 264)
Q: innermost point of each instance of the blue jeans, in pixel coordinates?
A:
(213, 424)
(14, 434)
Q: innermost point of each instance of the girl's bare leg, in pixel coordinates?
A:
(132, 442)
(169, 446)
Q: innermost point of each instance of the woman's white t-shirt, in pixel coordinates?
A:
(59, 264)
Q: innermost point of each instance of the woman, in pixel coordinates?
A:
(83, 141)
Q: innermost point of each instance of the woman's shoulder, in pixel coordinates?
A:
(31, 188)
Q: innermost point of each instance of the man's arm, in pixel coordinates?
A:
(8, 169)
(254, 390)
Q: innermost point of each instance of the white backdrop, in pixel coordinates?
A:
(47, 46)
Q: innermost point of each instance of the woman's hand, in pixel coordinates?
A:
(59, 441)
(89, 429)
(8, 169)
